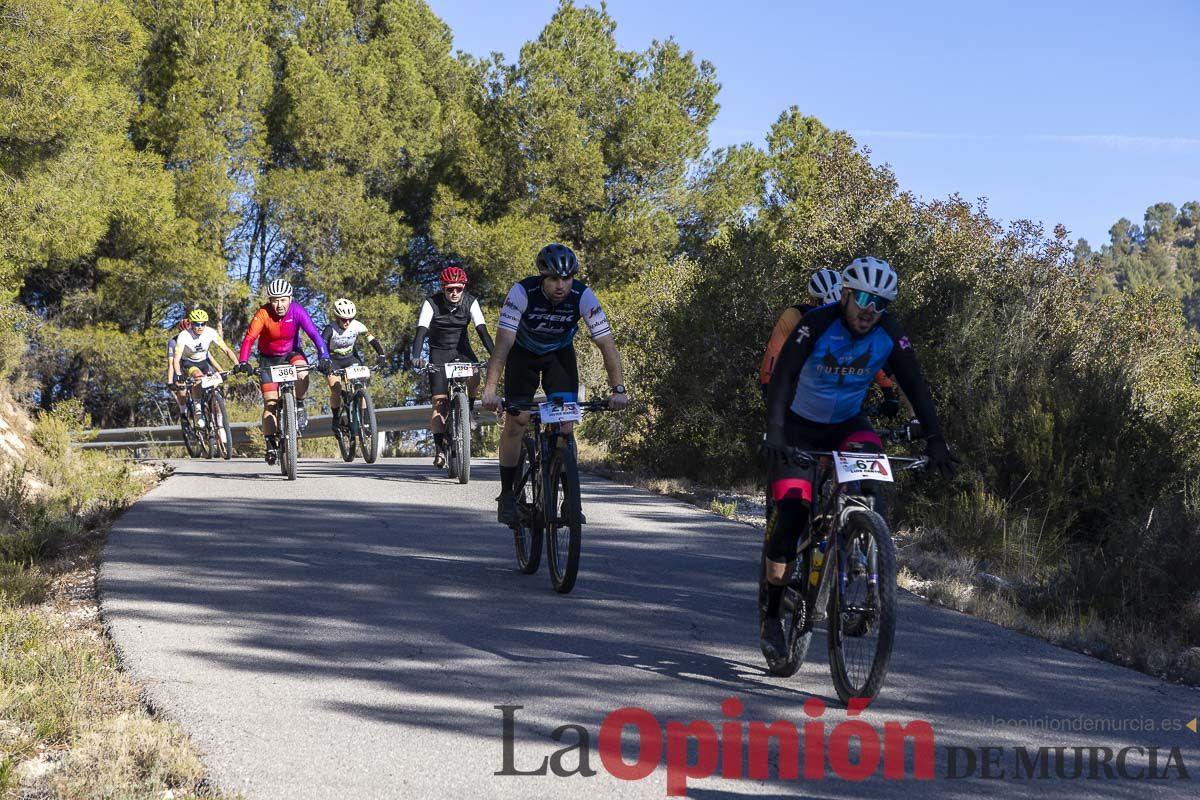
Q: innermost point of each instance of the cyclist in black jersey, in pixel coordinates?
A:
(444, 319)
(814, 402)
(535, 344)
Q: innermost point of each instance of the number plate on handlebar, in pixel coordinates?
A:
(458, 369)
(283, 373)
(209, 381)
(862, 467)
(358, 372)
(553, 412)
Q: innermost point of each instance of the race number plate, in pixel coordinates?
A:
(567, 412)
(862, 467)
(456, 369)
(209, 381)
(358, 372)
(283, 373)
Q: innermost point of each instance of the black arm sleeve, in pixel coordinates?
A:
(375, 344)
(327, 334)
(419, 342)
(903, 362)
(795, 352)
(485, 337)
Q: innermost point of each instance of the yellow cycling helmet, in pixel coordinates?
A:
(198, 315)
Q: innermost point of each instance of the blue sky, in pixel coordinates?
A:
(1056, 111)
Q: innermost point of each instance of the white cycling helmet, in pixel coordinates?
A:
(872, 275)
(344, 309)
(825, 285)
(279, 288)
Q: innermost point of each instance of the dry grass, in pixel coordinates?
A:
(71, 723)
(931, 570)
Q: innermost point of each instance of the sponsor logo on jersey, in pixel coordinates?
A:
(857, 368)
(802, 334)
(904, 343)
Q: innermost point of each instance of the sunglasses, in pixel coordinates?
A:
(199, 324)
(865, 300)
(455, 289)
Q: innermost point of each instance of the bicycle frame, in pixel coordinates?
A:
(828, 518)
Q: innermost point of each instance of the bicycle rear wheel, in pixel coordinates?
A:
(862, 607)
(461, 435)
(191, 435)
(527, 535)
(793, 610)
(564, 531)
(287, 437)
(343, 429)
(222, 432)
(368, 429)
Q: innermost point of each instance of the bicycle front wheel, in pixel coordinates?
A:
(461, 444)
(368, 428)
(862, 606)
(222, 431)
(287, 437)
(563, 519)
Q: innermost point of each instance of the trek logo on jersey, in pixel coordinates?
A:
(802, 334)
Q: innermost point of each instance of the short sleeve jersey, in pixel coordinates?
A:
(195, 348)
(343, 342)
(542, 327)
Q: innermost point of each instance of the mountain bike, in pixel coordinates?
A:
(355, 424)
(547, 489)
(206, 428)
(846, 572)
(287, 423)
(458, 416)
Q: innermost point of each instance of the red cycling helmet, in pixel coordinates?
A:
(453, 275)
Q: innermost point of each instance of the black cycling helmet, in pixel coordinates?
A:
(557, 259)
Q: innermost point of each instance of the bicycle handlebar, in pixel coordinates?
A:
(584, 405)
(439, 367)
(800, 457)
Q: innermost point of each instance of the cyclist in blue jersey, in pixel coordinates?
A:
(814, 402)
(535, 344)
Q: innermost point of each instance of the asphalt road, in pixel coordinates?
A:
(351, 635)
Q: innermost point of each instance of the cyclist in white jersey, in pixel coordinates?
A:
(342, 336)
(193, 350)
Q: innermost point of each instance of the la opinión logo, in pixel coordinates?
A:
(734, 748)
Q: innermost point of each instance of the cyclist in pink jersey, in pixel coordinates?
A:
(277, 326)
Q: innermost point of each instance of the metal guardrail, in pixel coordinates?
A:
(395, 418)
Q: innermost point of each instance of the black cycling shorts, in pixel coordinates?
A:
(556, 371)
(438, 382)
(341, 362)
(205, 367)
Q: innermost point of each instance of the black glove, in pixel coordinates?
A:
(419, 363)
(243, 368)
(940, 457)
(774, 447)
(890, 406)
(325, 366)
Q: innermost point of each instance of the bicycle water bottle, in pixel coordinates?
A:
(818, 558)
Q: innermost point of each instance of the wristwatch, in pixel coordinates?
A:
(619, 389)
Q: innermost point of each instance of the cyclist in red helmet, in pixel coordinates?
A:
(444, 319)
